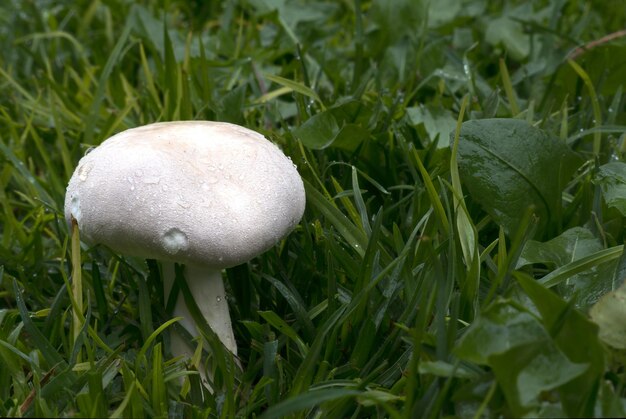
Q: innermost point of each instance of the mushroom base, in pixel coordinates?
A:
(207, 287)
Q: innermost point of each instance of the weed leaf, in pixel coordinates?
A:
(509, 165)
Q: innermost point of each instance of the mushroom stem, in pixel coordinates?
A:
(207, 287)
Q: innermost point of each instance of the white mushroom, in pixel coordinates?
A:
(210, 195)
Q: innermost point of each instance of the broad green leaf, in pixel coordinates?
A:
(343, 126)
(576, 336)
(509, 165)
(612, 181)
(526, 371)
(525, 358)
(573, 244)
(497, 330)
(319, 131)
(584, 285)
(438, 123)
(609, 314)
(507, 32)
(442, 12)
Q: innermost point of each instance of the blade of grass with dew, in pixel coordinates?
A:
(508, 87)
(432, 192)
(580, 265)
(597, 115)
(296, 87)
(360, 204)
(353, 236)
(343, 197)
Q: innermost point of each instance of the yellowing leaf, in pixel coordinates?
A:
(609, 313)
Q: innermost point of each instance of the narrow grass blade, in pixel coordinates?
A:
(308, 400)
(25, 173)
(360, 204)
(353, 236)
(145, 308)
(41, 342)
(280, 325)
(432, 192)
(144, 349)
(77, 284)
(114, 58)
(158, 391)
(597, 115)
(295, 302)
(580, 265)
(297, 87)
(508, 87)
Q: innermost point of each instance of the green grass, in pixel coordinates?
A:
(446, 262)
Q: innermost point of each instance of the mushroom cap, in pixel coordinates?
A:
(195, 192)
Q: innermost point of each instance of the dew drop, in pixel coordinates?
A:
(75, 208)
(174, 241)
(83, 171)
(218, 299)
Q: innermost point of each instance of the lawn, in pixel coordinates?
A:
(461, 251)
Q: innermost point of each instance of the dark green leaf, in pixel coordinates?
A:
(584, 286)
(500, 328)
(343, 126)
(509, 165)
(612, 181)
(573, 244)
(576, 336)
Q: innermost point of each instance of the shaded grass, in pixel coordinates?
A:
(360, 311)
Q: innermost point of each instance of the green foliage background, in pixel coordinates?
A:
(464, 169)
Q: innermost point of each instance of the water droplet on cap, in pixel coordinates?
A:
(83, 171)
(174, 241)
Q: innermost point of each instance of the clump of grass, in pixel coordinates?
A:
(392, 295)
